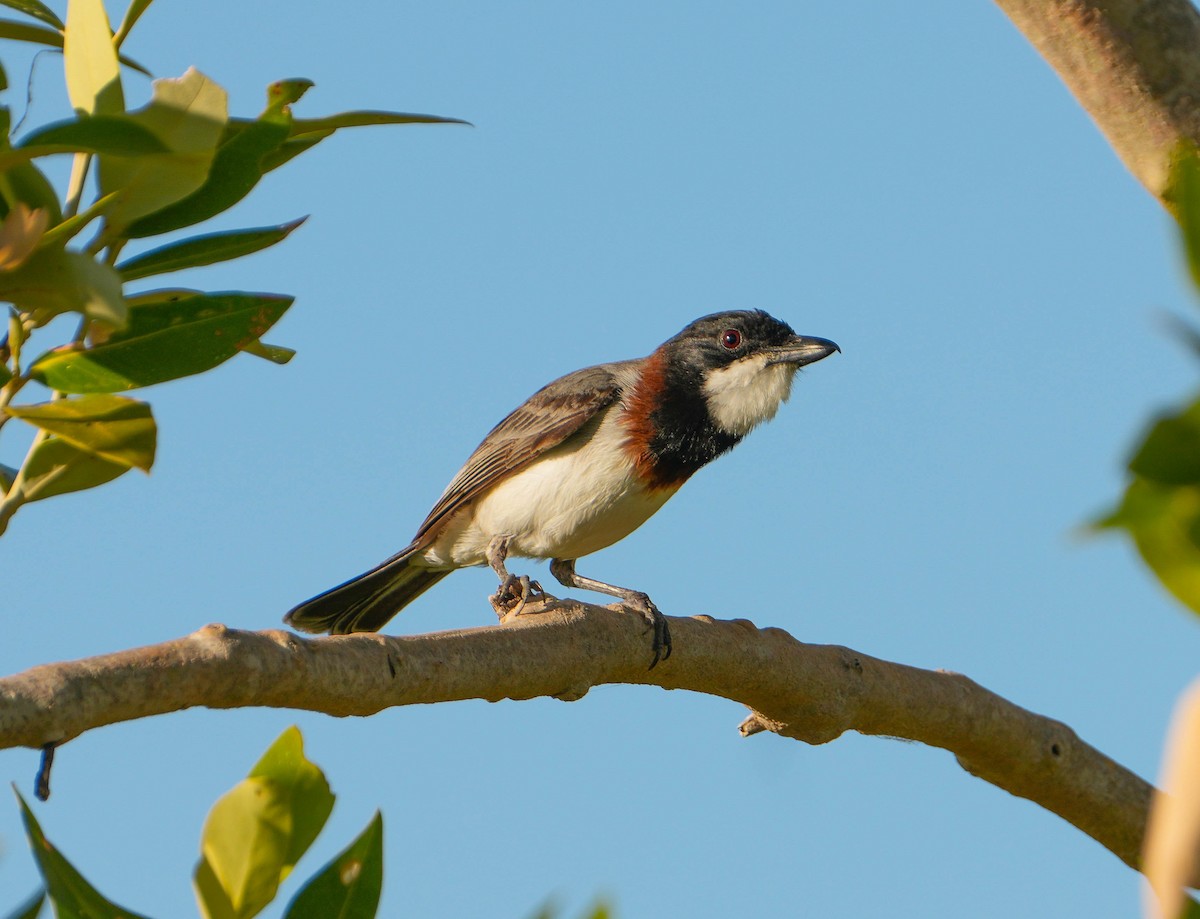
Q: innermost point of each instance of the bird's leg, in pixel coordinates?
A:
(564, 570)
(514, 591)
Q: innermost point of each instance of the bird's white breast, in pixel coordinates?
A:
(747, 392)
(575, 499)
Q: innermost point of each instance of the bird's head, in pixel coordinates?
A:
(743, 361)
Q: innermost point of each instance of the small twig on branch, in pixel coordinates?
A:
(812, 693)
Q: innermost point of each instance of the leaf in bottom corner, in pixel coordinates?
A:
(349, 886)
(73, 897)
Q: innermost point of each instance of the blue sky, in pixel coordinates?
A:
(915, 184)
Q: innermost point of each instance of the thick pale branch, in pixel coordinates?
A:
(809, 692)
(1134, 66)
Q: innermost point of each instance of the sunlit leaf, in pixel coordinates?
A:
(273, 353)
(112, 427)
(204, 250)
(90, 60)
(73, 897)
(58, 468)
(188, 116)
(37, 10)
(118, 135)
(165, 338)
(349, 886)
(55, 281)
(255, 834)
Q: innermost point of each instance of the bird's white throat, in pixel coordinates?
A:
(748, 392)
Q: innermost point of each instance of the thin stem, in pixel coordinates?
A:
(79, 170)
(63, 232)
(17, 333)
(17, 495)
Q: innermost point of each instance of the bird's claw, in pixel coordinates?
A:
(661, 642)
(513, 593)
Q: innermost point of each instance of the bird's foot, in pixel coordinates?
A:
(661, 644)
(513, 593)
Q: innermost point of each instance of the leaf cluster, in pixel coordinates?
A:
(253, 838)
(176, 162)
(1160, 509)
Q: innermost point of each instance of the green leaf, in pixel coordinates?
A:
(1183, 198)
(1170, 453)
(31, 907)
(5, 374)
(1164, 522)
(349, 886)
(58, 468)
(118, 135)
(73, 897)
(272, 353)
(34, 189)
(132, 14)
(306, 133)
(90, 60)
(292, 148)
(7, 476)
(169, 335)
(255, 834)
(188, 116)
(204, 250)
(55, 281)
(37, 10)
(302, 126)
(236, 169)
(112, 427)
(24, 31)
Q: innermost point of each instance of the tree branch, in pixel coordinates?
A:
(1134, 66)
(811, 693)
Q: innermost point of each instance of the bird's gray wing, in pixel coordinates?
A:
(545, 420)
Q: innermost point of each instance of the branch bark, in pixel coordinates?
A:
(812, 693)
(1134, 66)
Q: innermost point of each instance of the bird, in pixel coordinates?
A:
(580, 465)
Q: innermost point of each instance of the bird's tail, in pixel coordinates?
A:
(367, 602)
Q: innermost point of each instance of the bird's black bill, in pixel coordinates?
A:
(803, 349)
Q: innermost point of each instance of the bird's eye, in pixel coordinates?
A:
(731, 338)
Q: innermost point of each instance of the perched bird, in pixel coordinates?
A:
(580, 465)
